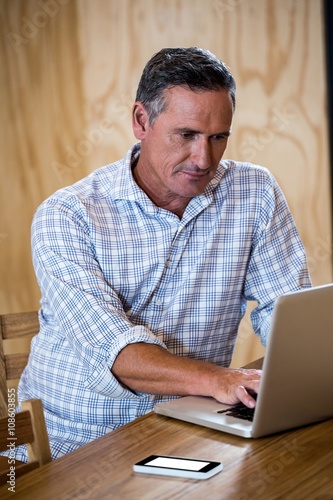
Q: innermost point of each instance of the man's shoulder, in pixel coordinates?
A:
(104, 183)
(237, 178)
(238, 167)
(98, 184)
(245, 173)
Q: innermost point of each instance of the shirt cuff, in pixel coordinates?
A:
(103, 381)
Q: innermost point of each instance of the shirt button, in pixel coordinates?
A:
(158, 302)
(168, 263)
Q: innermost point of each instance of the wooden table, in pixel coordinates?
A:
(295, 465)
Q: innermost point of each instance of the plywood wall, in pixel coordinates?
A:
(69, 70)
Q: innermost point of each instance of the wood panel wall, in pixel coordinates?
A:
(69, 70)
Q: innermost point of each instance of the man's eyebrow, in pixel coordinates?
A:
(227, 133)
(187, 129)
(193, 131)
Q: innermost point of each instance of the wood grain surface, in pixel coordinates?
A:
(295, 465)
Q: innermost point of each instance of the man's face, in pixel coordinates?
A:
(180, 153)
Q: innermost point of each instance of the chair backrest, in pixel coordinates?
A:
(25, 427)
(17, 330)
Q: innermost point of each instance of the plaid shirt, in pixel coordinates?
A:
(114, 269)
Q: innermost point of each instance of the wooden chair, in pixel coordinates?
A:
(17, 330)
(25, 427)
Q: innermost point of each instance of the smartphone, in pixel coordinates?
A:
(178, 466)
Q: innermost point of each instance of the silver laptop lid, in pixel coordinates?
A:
(297, 383)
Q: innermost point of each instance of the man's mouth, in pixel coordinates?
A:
(196, 173)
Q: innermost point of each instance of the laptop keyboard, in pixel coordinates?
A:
(239, 411)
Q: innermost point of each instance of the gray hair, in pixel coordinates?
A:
(192, 67)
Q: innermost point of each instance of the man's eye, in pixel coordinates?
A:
(187, 135)
(223, 137)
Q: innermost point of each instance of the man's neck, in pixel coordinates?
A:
(174, 204)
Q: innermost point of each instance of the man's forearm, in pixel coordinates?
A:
(151, 369)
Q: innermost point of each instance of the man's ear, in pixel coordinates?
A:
(140, 120)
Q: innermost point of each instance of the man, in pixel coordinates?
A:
(146, 265)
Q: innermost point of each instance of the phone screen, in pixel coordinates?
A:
(177, 463)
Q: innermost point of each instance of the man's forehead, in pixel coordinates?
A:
(188, 109)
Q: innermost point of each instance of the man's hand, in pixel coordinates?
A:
(152, 369)
(234, 385)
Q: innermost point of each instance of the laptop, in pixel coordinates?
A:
(296, 387)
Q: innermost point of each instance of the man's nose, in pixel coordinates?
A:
(201, 155)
